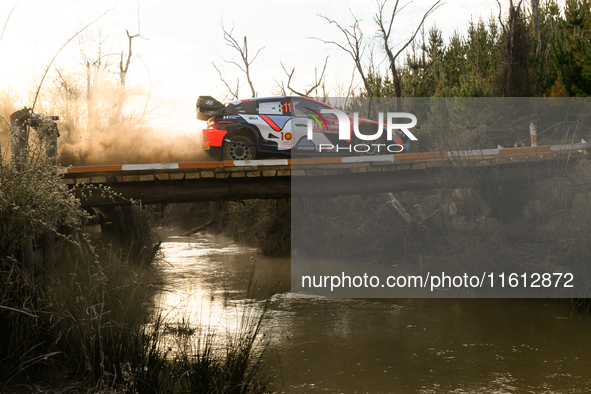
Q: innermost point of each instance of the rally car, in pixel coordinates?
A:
(277, 126)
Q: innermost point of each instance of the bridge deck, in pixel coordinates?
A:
(229, 180)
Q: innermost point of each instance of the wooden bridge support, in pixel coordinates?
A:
(18, 136)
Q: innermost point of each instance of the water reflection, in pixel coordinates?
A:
(383, 345)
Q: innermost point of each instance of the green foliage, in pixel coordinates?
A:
(99, 308)
(261, 223)
(570, 56)
(514, 72)
(501, 57)
(88, 318)
(33, 199)
(91, 316)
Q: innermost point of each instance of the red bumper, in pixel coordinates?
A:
(213, 138)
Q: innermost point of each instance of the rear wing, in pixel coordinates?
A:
(207, 107)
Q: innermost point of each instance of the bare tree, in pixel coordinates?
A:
(233, 93)
(2, 35)
(514, 51)
(355, 46)
(307, 90)
(123, 69)
(245, 61)
(58, 52)
(280, 89)
(385, 28)
(94, 63)
(65, 100)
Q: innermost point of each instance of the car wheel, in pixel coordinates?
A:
(239, 148)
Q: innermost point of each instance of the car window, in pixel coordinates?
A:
(272, 106)
(275, 106)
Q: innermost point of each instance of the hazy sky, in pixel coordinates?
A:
(180, 39)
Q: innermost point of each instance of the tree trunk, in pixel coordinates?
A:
(123, 76)
(120, 98)
(535, 11)
(89, 101)
(510, 46)
(397, 86)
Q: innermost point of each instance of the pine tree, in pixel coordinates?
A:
(569, 67)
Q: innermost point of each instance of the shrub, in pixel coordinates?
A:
(33, 200)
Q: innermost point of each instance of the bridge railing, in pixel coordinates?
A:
(231, 169)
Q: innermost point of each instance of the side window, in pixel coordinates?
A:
(275, 107)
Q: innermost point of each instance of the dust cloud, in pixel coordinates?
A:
(132, 145)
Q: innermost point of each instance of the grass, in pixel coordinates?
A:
(240, 366)
(22, 344)
(95, 322)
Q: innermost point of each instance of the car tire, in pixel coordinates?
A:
(239, 148)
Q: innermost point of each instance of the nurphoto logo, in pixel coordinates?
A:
(345, 131)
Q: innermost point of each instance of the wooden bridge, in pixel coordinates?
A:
(272, 179)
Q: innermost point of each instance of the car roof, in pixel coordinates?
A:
(279, 98)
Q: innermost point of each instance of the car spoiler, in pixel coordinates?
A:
(207, 107)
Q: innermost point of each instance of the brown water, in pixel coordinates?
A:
(382, 345)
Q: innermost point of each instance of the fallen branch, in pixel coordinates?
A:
(18, 311)
(409, 219)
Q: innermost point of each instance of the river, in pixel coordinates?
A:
(380, 345)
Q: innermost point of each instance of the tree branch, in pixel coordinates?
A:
(317, 82)
(431, 10)
(8, 18)
(385, 33)
(222, 78)
(355, 46)
(58, 52)
(243, 51)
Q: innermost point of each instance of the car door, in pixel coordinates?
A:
(274, 122)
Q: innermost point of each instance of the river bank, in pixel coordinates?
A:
(91, 323)
(97, 326)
